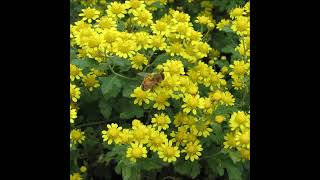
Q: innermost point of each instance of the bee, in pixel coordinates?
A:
(151, 80)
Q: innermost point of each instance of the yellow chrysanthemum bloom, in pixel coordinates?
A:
(180, 17)
(229, 141)
(247, 7)
(216, 95)
(77, 136)
(161, 121)
(158, 42)
(83, 169)
(181, 30)
(73, 115)
(126, 136)
(106, 22)
(193, 150)
(75, 176)
(161, 28)
(89, 14)
(142, 40)
(161, 96)
(173, 67)
(156, 139)
(191, 103)
(238, 83)
(175, 48)
(138, 61)
(180, 119)
(219, 119)
(242, 139)
(168, 153)
(75, 72)
(124, 48)
(194, 35)
(74, 93)
(179, 137)
(136, 151)
(112, 134)
(141, 96)
(141, 134)
(223, 23)
(97, 72)
(236, 12)
(90, 81)
(134, 4)
(142, 17)
(201, 128)
(240, 68)
(245, 154)
(116, 10)
(239, 120)
(191, 137)
(208, 105)
(205, 20)
(201, 49)
(241, 25)
(227, 99)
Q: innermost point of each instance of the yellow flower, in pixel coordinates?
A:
(236, 12)
(168, 153)
(208, 105)
(83, 169)
(141, 134)
(181, 30)
(175, 49)
(161, 121)
(77, 136)
(239, 120)
(117, 10)
(240, 68)
(74, 93)
(141, 96)
(73, 115)
(223, 23)
(136, 151)
(180, 119)
(179, 137)
(112, 134)
(201, 128)
(238, 83)
(245, 154)
(142, 17)
(161, 28)
(241, 25)
(174, 67)
(90, 81)
(227, 99)
(219, 119)
(193, 151)
(134, 4)
(138, 61)
(125, 136)
(142, 40)
(156, 139)
(180, 17)
(124, 48)
(242, 139)
(201, 49)
(89, 14)
(230, 141)
(158, 42)
(75, 176)
(106, 22)
(75, 72)
(161, 97)
(97, 72)
(191, 103)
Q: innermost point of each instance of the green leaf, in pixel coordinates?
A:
(162, 58)
(121, 26)
(233, 171)
(105, 108)
(111, 86)
(131, 111)
(131, 173)
(235, 156)
(216, 166)
(217, 136)
(150, 164)
(188, 168)
(85, 63)
(123, 64)
(129, 87)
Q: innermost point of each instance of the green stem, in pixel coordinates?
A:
(117, 74)
(91, 123)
